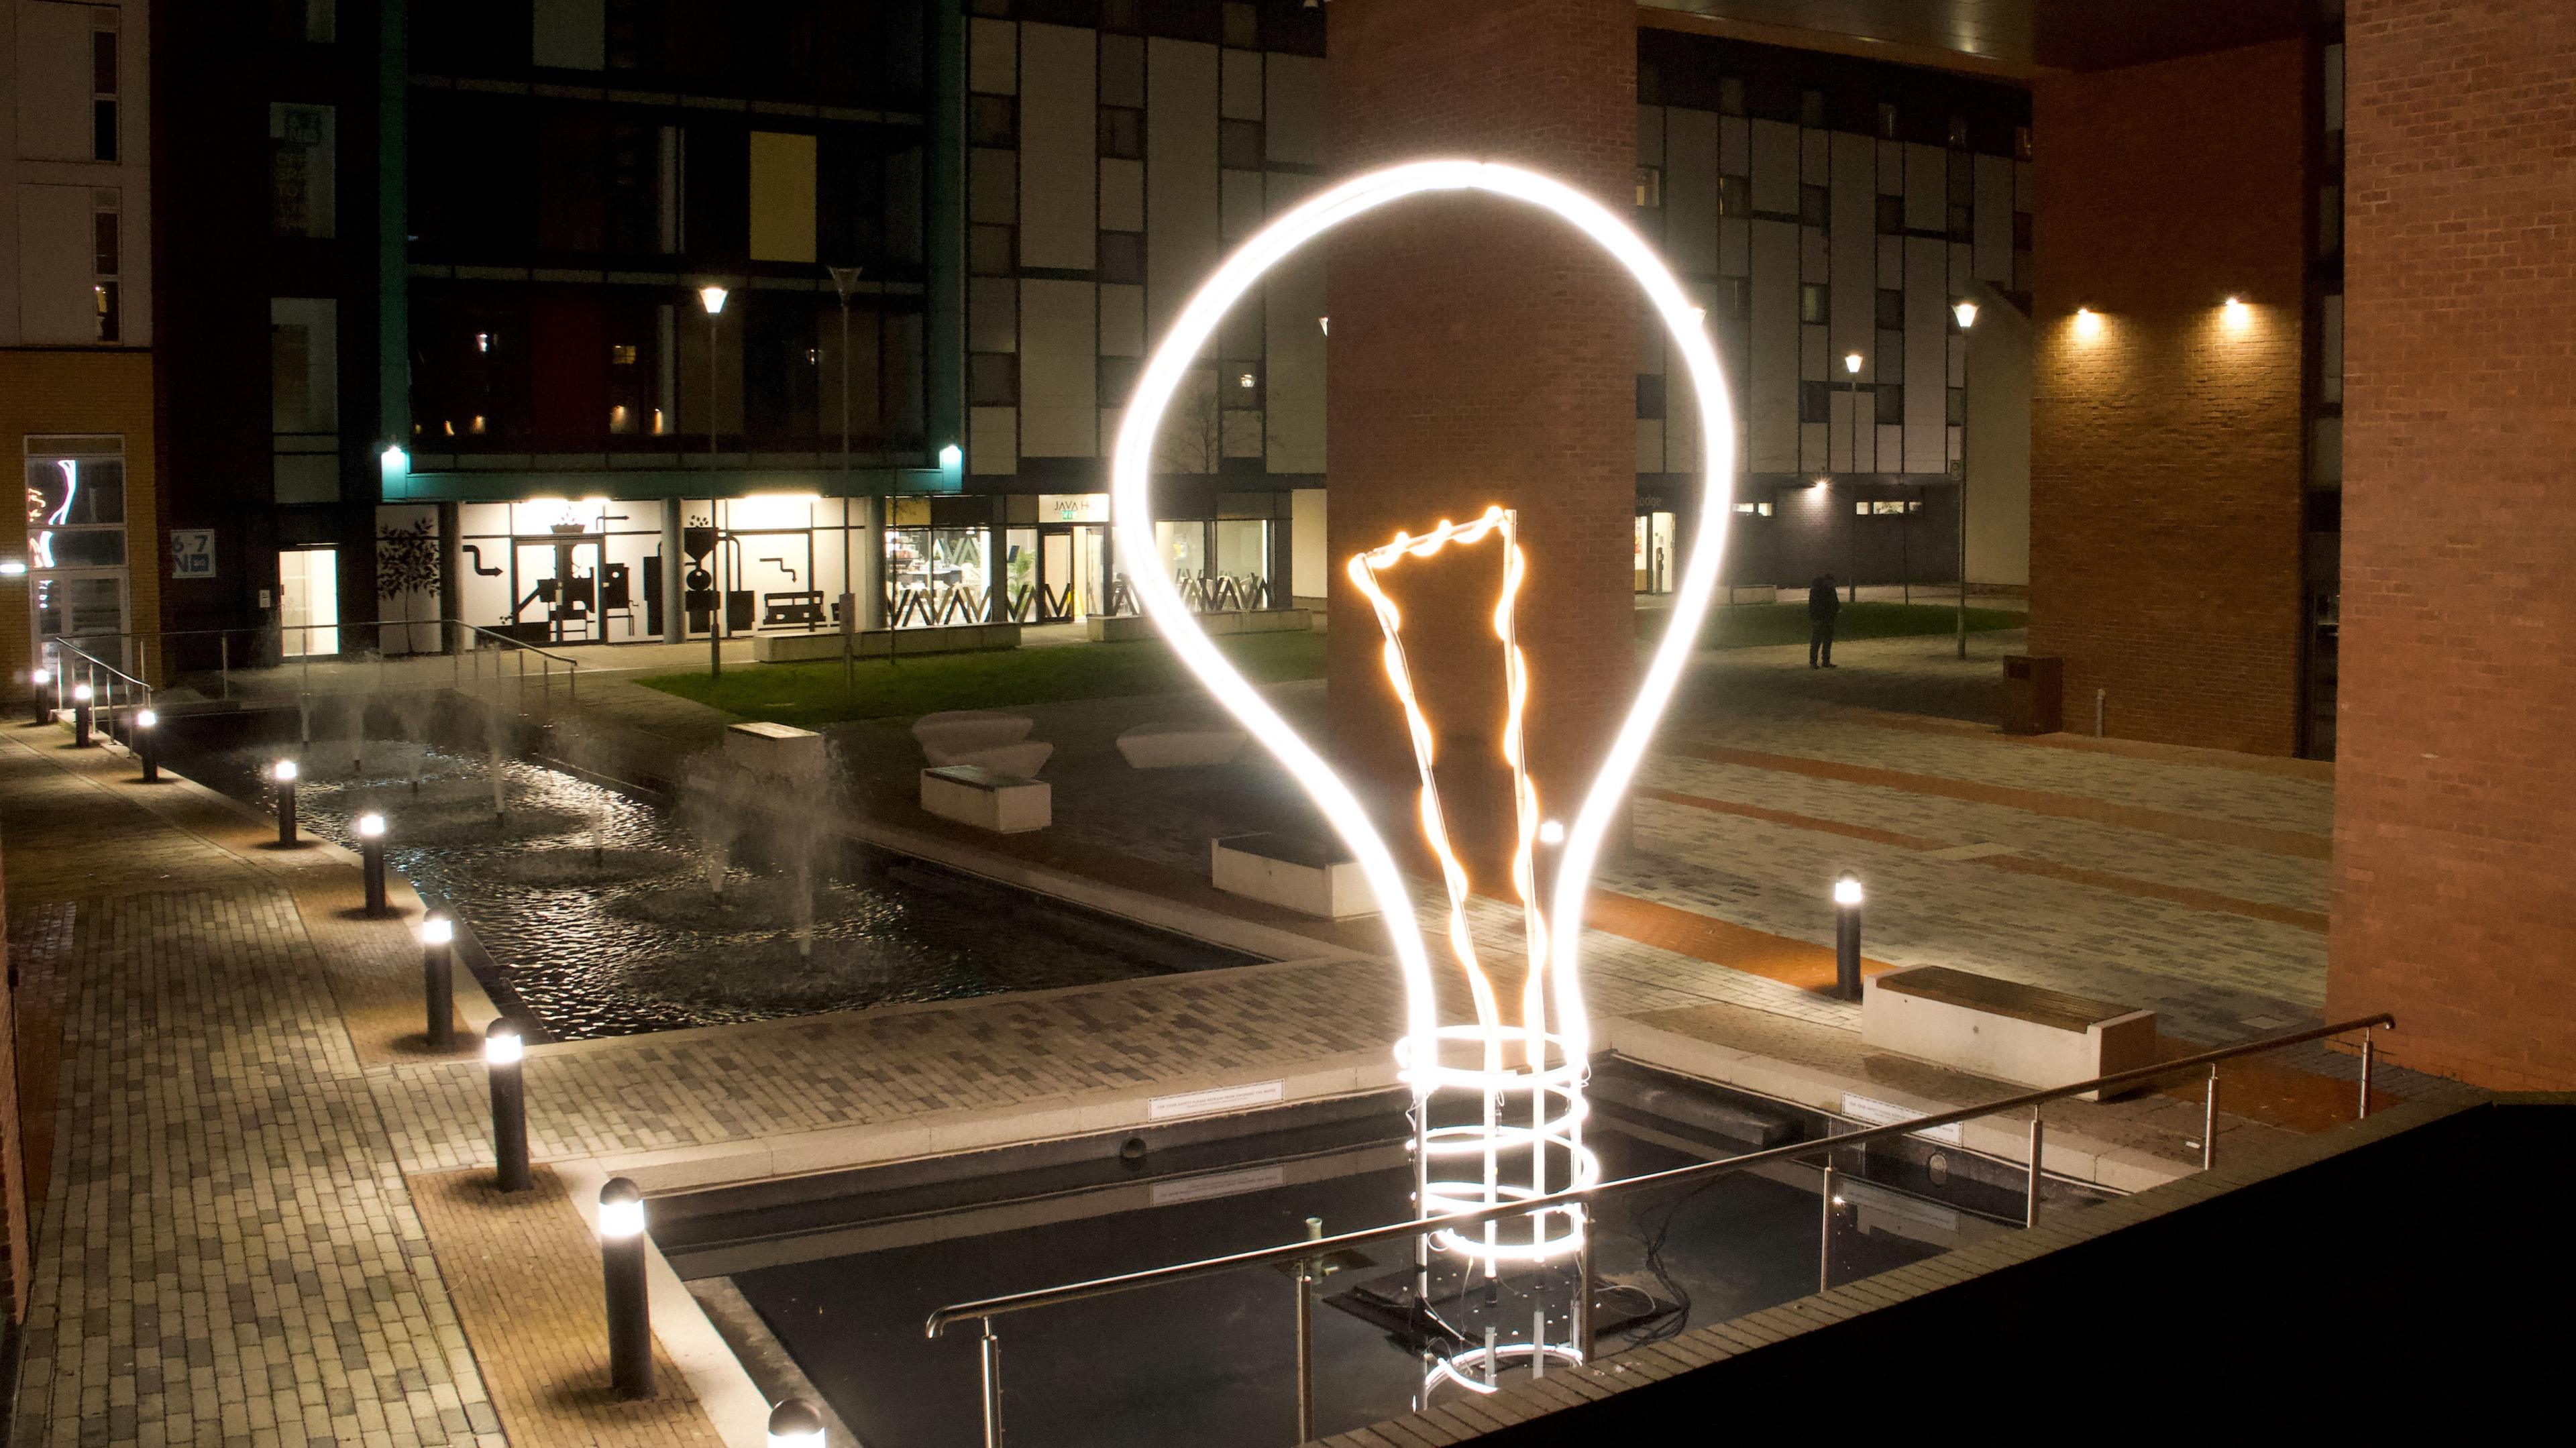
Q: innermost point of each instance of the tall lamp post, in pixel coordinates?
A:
(1851, 366)
(844, 278)
(712, 298)
(1966, 312)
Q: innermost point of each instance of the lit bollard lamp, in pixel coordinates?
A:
(371, 859)
(146, 729)
(438, 980)
(503, 1048)
(1847, 937)
(38, 681)
(621, 1266)
(84, 710)
(283, 772)
(795, 1423)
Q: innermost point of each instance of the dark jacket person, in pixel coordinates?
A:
(1822, 605)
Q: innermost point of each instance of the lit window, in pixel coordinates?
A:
(1812, 302)
(1650, 186)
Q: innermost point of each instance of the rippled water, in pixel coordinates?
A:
(599, 915)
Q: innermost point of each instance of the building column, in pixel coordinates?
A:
(1483, 352)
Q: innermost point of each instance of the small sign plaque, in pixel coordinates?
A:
(192, 553)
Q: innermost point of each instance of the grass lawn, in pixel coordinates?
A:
(807, 695)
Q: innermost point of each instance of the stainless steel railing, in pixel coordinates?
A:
(456, 638)
(1296, 1255)
(102, 677)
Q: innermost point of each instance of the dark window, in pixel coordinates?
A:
(2021, 231)
(1243, 26)
(1734, 195)
(1650, 394)
(102, 136)
(1120, 16)
(998, 9)
(1891, 309)
(1117, 379)
(992, 379)
(1122, 133)
(992, 121)
(1239, 384)
(102, 62)
(1650, 186)
(1730, 94)
(1815, 402)
(1891, 406)
(1891, 215)
(1887, 120)
(103, 234)
(1891, 357)
(1122, 256)
(1963, 223)
(1813, 207)
(1238, 144)
(989, 250)
(2021, 143)
(1735, 294)
(105, 293)
(1811, 109)
(1813, 300)
(1956, 411)
(1958, 133)
(1963, 180)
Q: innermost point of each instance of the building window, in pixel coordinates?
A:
(1813, 207)
(992, 121)
(992, 379)
(1650, 186)
(102, 107)
(989, 250)
(1122, 133)
(311, 22)
(1890, 406)
(1891, 309)
(1891, 215)
(300, 179)
(2021, 143)
(1956, 410)
(1242, 25)
(2021, 231)
(1241, 387)
(1812, 302)
(108, 248)
(1734, 195)
(1238, 145)
(1886, 120)
(1650, 394)
(1730, 94)
(1122, 257)
(1963, 224)
(1958, 133)
(1754, 510)
(1735, 295)
(1815, 402)
(75, 505)
(1811, 109)
(1117, 380)
(1121, 16)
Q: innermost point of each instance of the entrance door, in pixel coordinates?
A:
(1056, 575)
(86, 610)
(308, 616)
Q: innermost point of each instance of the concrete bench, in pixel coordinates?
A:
(1173, 746)
(1311, 877)
(2001, 1030)
(777, 752)
(970, 794)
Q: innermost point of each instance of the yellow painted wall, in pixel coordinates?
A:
(782, 197)
(46, 391)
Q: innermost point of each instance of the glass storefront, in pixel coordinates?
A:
(551, 570)
(1655, 553)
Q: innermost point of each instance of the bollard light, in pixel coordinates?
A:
(795, 1423)
(84, 700)
(147, 745)
(621, 1266)
(503, 1049)
(283, 772)
(438, 982)
(1847, 937)
(371, 859)
(37, 681)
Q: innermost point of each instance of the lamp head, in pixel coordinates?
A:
(371, 826)
(502, 1044)
(437, 930)
(145, 719)
(621, 1210)
(712, 298)
(40, 677)
(283, 771)
(81, 693)
(1847, 890)
(795, 1424)
(1851, 363)
(1966, 312)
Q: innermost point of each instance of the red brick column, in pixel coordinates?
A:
(1484, 352)
(2165, 447)
(2455, 777)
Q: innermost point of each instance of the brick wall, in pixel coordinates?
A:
(78, 390)
(1484, 352)
(2455, 789)
(2165, 450)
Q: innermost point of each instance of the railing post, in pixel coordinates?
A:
(1583, 1292)
(1306, 1337)
(2209, 1121)
(2030, 1209)
(224, 648)
(1825, 1231)
(455, 652)
(992, 1387)
(2365, 1073)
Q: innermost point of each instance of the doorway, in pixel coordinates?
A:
(308, 595)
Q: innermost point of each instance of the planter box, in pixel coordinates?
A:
(2003, 1031)
(1308, 876)
(988, 799)
(776, 752)
(881, 643)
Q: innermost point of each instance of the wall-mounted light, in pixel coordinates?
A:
(712, 298)
(1851, 363)
(2088, 323)
(2236, 314)
(1966, 312)
(394, 462)
(951, 458)
(1324, 325)
(13, 569)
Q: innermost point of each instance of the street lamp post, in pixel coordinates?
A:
(621, 1269)
(1847, 899)
(370, 829)
(38, 680)
(284, 773)
(503, 1051)
(82, 697)
(438, 980)
(1966, 312)
(844, 278)
(147, 724)
(712, 298)
(1851, 365)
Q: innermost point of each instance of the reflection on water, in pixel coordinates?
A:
(597, 909)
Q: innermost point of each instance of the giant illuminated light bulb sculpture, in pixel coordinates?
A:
(1525, 1132)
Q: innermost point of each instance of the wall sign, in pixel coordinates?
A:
(192, 553)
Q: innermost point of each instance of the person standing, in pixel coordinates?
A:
(1822, 605)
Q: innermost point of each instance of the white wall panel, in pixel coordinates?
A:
(1815, 157)
(1815, 362)
(993, 57)
(1891, 262)
(1927, 188)
(1181, 236)
(1772, 389)
(57, 265)
(1295, 123)
(1311, 571)
(1239, 205)
(53, 76)
(1650, 444)
(1122, 195)
(1775, 167)
(1734, 247)
(1059, 135)
(1891, 168)
(1650, 135)
(1293, 346)
(994, 435)
(1734, 146)
(1239, 90)
(1854, 242)
(1690, 191)
(1927, 349)
(1059, 367)
(1811, 447)
(1122, 321)
(1994, 223)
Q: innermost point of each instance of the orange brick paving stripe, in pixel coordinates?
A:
(2319, 771)
(2018, 864)
(1701, 937)
(523, 1271)
(2296, 843)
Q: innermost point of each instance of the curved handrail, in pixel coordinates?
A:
(67, 647)
(992, 1307)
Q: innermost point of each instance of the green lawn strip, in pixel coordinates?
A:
(809, 694)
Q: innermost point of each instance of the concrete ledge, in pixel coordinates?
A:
(1114, 628)
(2003, 1030)
(1180, 746)
(885, 643)
(970, 794)
(1308, 876)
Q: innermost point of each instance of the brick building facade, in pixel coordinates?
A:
(2455, 797)
(2166, 426)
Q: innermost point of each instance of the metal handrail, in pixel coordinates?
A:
(64, 646)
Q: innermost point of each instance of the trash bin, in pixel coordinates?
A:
(2034, 694)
